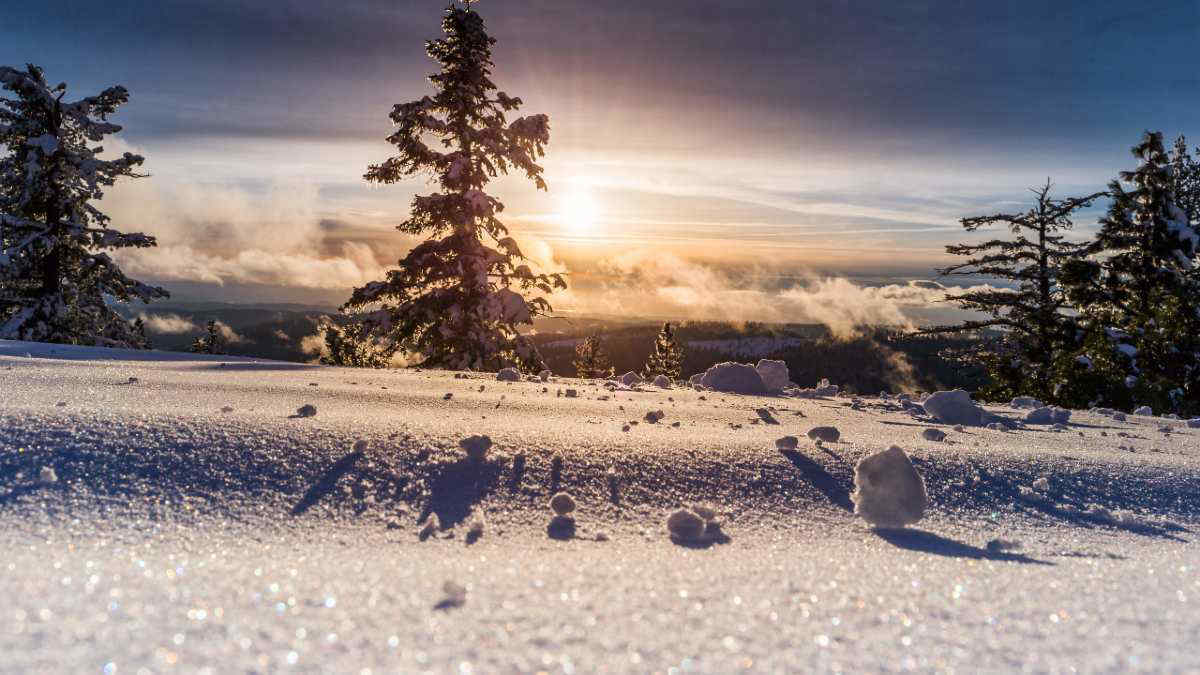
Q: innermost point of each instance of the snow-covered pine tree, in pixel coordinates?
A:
(1185, 180)
(452, 301)
(212, 342)
(591, 359)
(1138, 294)
(55, 275)
(1035, 325)
(667, 356)
(348, 345)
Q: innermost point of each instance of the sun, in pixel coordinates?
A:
(578, 211)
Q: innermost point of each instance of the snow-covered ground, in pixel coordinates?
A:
(175, 512)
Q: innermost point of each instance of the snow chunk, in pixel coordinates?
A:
(509, 375)
(562, 504)
(826, 434)
(787, 443)
(1048, 415)
(888, 491)
(662, 382)
(1194, 423)
(1144, 410)
(685, 525)
(774, 374)
(544, 376)
(954, 407)
(654, 416)
(48, 475)
(630, 379)
(476, 447)
(933, 435)
(735, 378)
(306, 410)
(1026, 402)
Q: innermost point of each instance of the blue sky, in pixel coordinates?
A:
(794, 139)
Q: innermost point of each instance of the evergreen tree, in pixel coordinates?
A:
(667, 356)
(212, 342)
(139, 331)
(452, 301)
(55, 275)
(347, 344)
(591, 359)
(1034, 321)
(1185, 180)
(1138, 294)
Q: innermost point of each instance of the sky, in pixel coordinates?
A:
(709, 159)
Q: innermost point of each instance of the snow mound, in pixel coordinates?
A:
(1026, 402)
(826, 434)
(1047, 415)
(735, 378)
(888, 491)
(1144, 410)
(562, 504)
(509, 375)
(662, 382)
(933, 435)
(954, 407)
(774, 374)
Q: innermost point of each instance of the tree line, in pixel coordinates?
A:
(1112, 321)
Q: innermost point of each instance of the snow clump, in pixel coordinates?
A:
(1144, 410)
(826, 434)
(509, 375)
(1026, 402)
(48, 475)
(476, 447)
(1047, 415)
(562, 504)
(630, 379)
(774, 374)
(662, 382)
(306, 410)
(888, 491)
(685, 525)
(954, 407)
(654, 416)
(735, 378)
(787, 443)
(544, 376)
(933, 435)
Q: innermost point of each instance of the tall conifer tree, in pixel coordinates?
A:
(452, 301)
(667, 355)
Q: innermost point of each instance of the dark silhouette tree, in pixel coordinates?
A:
(1031, 313)
(1137, 294)
(55, 275)
(348, 344)
(451, 302)
(212, 342)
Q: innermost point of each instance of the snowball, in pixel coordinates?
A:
(509, 375)
(774, 374)
(1144, 410)
(827, 434)
(662, 382)
(476, 447)
(654, 416)
(685, 525)
(933, 435)
(735, 378)
(630, 379)
(888, 491)
(306, 410)
(954, 407)
(787, 443)
(562, 504)
(1026, 402)
(48, 475)
(544, 376)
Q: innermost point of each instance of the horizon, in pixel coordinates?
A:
(771, 162)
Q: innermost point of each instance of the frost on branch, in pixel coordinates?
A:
(56, 279)
(458, 299)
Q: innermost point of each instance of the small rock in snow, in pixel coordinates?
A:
(306, 410)
(888, 491)
(826, 434)
(509, 375)
(449, 395)
(933, 435)
(787, 443)
(476, 447)
(48, 475)
(62, 404)
(562, 504)
(685, 525)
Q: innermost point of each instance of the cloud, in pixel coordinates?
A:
(168, 324)
(228, 333)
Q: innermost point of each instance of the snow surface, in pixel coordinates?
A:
(180, 537)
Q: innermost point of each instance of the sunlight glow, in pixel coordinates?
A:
(578, 211)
